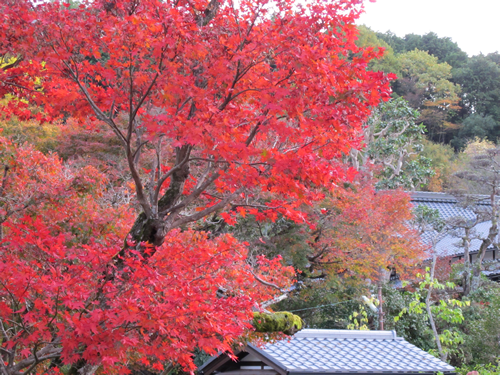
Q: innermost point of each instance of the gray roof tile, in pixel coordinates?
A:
(351, 351)
(450, 244)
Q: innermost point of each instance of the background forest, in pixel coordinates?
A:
(209, 175)
(456, 96)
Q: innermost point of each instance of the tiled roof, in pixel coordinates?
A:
(491, 273)
(450, 244)
(346, 351)
(323, 351)
(444, 203)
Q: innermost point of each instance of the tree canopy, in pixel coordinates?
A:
(217, 109)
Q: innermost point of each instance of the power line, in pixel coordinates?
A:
(319, 307)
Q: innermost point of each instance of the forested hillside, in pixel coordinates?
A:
(457, 97)
(179, 178)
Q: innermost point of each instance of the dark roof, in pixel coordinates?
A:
(313, 351)
(449, 244)
(491, 273)
(446, 204)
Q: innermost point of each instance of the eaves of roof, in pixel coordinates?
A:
(427, 196)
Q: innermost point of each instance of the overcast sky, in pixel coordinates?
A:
(473, 24)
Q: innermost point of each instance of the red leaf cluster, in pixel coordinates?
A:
(62, 293)
(274, 99)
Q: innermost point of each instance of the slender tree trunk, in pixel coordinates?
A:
(429, 312)
(467, 270)
(487, 242)
(380, 309)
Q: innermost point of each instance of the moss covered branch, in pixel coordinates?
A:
(282, 321)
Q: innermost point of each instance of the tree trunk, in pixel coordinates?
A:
(152, 230)
(429, 312)
(467, 270)
(380, 309)
(492, 236)
(88, 369)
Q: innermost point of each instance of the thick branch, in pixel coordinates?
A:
(208, 14)
(46, 353)
(139, 190)
(168, 174)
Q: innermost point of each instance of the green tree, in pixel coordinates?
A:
(448, 311)
(393, 140)
(443, 48)
(389, 63)
(477, 126)
(481, 326)
(412, 326)
(444, 162)
(480, 81)
(397, 43)
(494, 57)
(425, 84)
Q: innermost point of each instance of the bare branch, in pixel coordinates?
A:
(4, 179)
(148, 91)
(100, 115)
(139, 190)
(179, 108)
(207, 211)
(138, 148)
(273, 301)
(266, 283)
(252, 134)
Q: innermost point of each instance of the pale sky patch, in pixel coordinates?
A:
(473, 25)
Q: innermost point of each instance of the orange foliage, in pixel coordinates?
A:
(367, 233)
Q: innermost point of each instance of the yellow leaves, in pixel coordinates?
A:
(359, 321)
(8, 61)
(43, 136)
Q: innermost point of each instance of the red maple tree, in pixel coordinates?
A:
(216, 104)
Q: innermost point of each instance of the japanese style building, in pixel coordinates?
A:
(322, 351)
